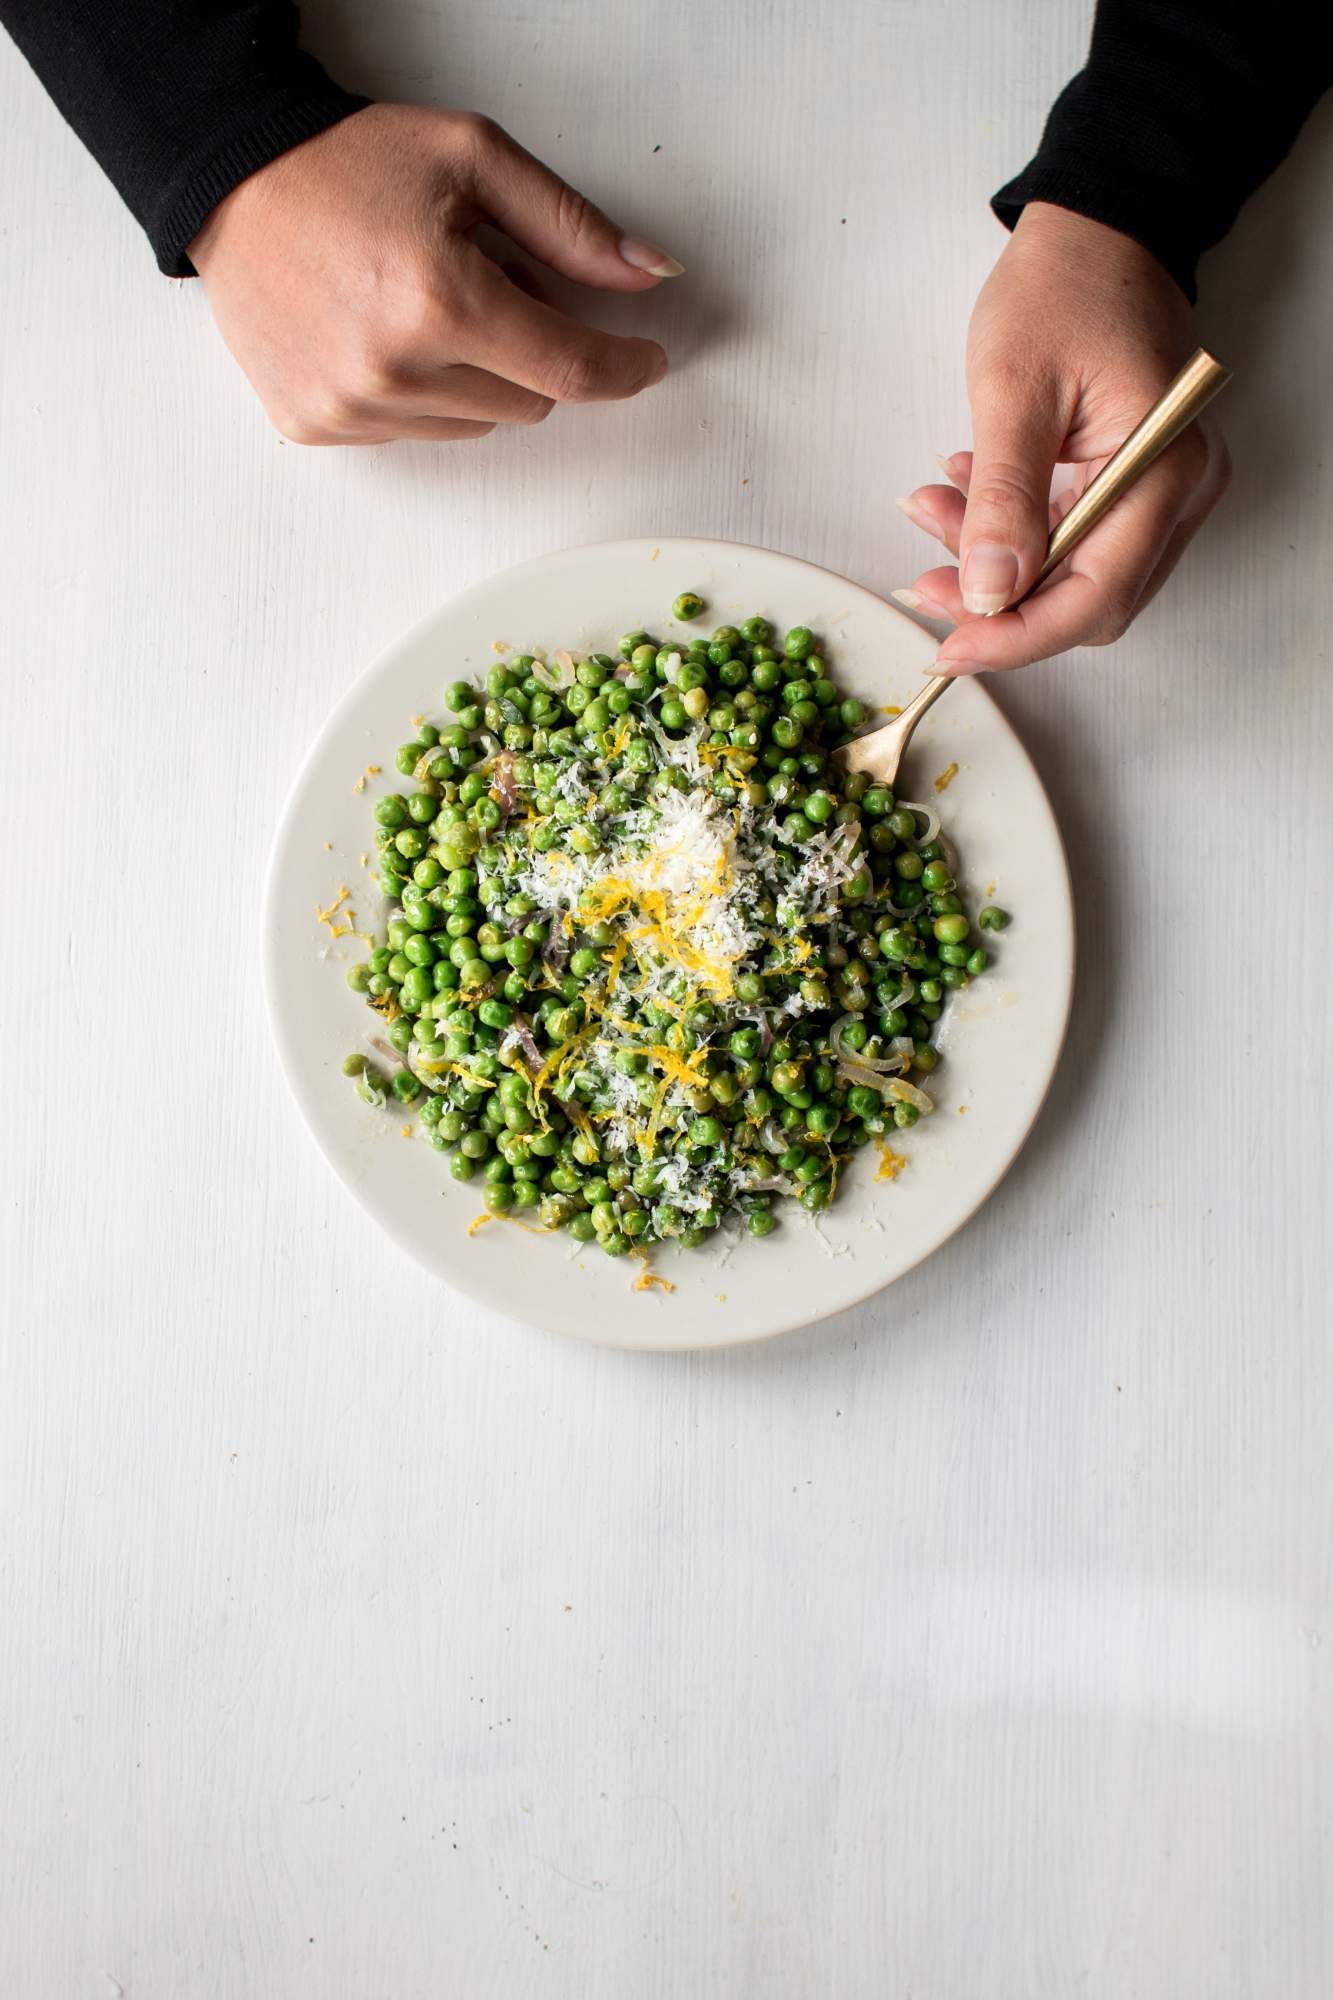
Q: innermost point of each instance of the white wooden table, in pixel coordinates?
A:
(356, 1642)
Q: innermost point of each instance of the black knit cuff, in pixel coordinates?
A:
(256, 134)
(1135, 212)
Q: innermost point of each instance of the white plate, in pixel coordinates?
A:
(1001, 1036)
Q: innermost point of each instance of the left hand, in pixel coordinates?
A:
(345, 279)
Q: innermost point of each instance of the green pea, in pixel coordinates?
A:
(688, 605)
(757, 631)
(799, 643)
(760, 1222)
(951, 930)
(417, 988)
(993, 918)
(819, 807)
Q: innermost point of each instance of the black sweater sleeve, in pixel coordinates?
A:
(179, 100)
(1184, 107)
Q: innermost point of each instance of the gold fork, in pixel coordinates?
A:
(881, 751)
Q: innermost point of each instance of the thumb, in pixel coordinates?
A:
(1002, 544)
(563, 228)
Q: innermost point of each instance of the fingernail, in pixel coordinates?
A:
(648, 257)
(956, 664)
(946, 467)
(920, 518)
(990, 577)
(912, 600)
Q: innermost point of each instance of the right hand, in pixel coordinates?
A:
(1075, 335)
(344, 278)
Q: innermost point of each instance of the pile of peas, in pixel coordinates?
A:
(466, 960)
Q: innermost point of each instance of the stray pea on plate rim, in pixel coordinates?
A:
(1000, 1037)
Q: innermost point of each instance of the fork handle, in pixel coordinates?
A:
(1175, 409)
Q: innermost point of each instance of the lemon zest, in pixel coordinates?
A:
(479, 1222)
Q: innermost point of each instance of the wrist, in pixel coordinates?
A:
(1113, 278)
(1067, 232)
(244, 207)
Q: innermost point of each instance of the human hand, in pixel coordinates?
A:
(344, 278)
(1074, 336)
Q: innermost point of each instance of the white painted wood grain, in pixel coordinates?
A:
(356, 1642)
